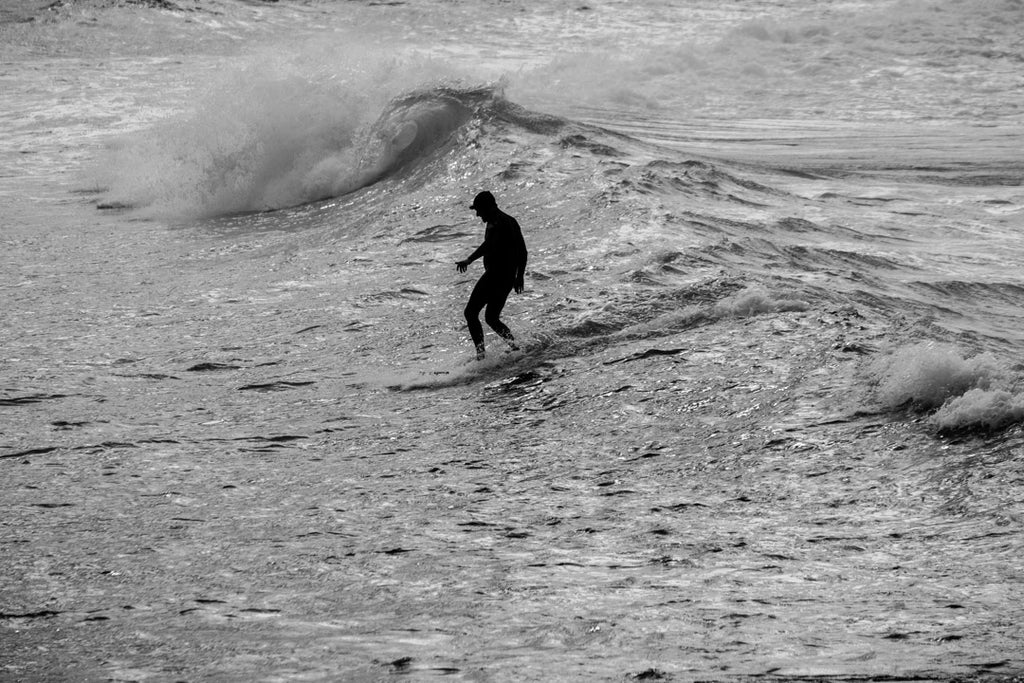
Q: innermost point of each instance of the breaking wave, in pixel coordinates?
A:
(965, 393)
(926, 375)
(262, 139)
(979, 409)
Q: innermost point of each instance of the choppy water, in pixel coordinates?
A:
(768, 419)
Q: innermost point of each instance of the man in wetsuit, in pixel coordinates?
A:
(504, 252)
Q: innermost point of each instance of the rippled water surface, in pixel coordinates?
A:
(765, 422)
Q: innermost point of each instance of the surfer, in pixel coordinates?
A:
(504, 253)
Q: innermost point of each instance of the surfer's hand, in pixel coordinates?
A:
(462, 265)
(519, 284)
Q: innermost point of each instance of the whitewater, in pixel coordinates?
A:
(766, 423)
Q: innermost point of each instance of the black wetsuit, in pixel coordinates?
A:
(504, 253)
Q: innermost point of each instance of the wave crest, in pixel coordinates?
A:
(261, 141)
(979, 408)
(926, 375)
(966, 393)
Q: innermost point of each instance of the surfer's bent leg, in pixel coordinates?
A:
(477, 301)
(499, 295)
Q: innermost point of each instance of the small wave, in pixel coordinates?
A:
(979, 409)
(816, 259)
(404, 293)
(579, 141)
(755, 301)
(926, 375)
(958, 392)
(693, 178)
(436, 233)
(1006, 292)
(676, 310)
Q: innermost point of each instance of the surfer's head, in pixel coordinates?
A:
(484, 204)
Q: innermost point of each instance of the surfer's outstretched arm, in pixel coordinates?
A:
(462, 265)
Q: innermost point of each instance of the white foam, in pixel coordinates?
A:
(755, 301)
(927, 374)
(272, 132)
(980, 408)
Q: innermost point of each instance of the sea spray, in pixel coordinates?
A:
(926, 375)
(965, 393)
(274, 132)
(979, 409)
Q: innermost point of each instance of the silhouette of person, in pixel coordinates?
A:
(504, 254)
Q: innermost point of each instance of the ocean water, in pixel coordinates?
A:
(766, 422)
